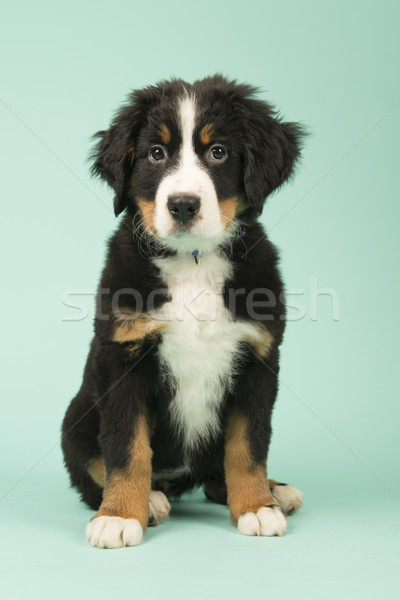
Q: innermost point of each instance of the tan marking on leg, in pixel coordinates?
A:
(207, 133)
(126, 493)
(164, 134)
(134, 327)
(97, 470)
(147, 208)
(246, 481)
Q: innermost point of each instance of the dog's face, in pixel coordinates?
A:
(188, 173)
(192, 159)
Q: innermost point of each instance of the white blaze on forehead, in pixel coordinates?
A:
(189, 178)
(187, 113)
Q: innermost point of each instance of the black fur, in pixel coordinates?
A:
(118, 385)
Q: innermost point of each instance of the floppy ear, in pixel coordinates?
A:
(271, 150)
(113, 154)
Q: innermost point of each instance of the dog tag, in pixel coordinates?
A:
(197, 256)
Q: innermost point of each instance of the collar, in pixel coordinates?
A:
(198, 255)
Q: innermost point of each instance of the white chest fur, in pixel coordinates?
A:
(201, 340)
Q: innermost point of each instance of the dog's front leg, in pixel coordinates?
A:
(252, 506)
(123, 513)
(125, 446)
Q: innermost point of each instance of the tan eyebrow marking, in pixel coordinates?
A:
(207, 133)
(164, 134)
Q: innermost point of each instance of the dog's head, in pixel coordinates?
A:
(193, 159)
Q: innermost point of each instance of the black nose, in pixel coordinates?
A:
(183, 208)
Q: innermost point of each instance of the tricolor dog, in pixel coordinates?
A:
(182, 373)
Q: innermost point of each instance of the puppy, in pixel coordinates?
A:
(182, 373)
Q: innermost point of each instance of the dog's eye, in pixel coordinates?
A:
(218, 153)
(156, 154)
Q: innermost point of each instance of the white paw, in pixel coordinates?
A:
(114, 532)
(290, 498)
(266, 521)
(159, 507)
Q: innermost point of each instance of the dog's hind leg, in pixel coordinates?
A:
(79, 441)
(81, 449)
(159, 507)
(290, 498)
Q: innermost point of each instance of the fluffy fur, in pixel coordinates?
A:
(181, 377)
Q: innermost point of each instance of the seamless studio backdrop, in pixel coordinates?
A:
(334, 66)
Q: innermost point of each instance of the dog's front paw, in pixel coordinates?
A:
(290, 498)
(266, 521)
(159, 507)
(114, 532)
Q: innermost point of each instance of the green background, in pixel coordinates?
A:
(65, 67)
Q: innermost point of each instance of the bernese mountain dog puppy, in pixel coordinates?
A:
(182, 373)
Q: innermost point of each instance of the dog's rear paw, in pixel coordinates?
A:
(114, 532)
(290, 498)
(159, 507)
(266, 522)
